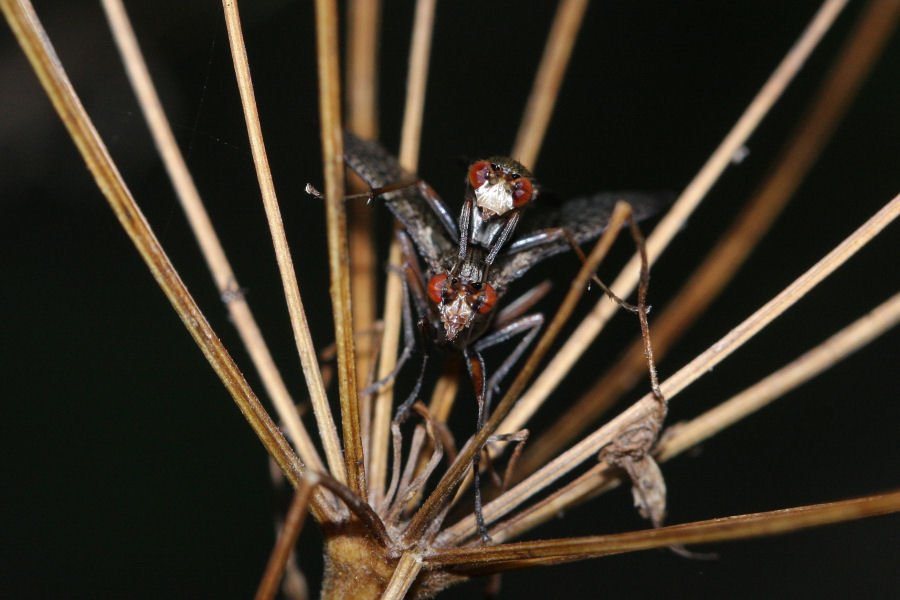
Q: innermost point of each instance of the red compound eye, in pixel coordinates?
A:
(436, 287)
(486, 299)
(479, 172)
(521, 191)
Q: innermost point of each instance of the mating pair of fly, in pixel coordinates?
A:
(471, 261)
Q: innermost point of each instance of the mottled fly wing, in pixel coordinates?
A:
(584, 218)
(378, 168)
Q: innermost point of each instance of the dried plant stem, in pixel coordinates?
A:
(293, 525)
(674, 220)
(302, 336)
(511, 556)
(361, 95)
(363, 25)
(381, 417)
(445, 389)
(442, 494)
(704, 363)
(363, 287)
(829, 105)
(336, 227)
(804, 368)
(405, 574)
(686, 435)
(548, 80)
(410, 142)
(46, 64)
(419, 54)
(580, 489)
(218, 264)
(784, 300)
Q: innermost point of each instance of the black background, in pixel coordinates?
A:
(128, 472)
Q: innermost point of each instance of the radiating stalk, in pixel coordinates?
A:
(336, 227)
(673, 222)
(43, 59)
(811, 136)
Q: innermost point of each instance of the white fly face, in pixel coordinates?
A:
(495, 196)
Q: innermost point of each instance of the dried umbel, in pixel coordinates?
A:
(383, 541)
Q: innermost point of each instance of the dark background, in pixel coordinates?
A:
(128, 472)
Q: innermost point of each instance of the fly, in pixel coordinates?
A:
(470, 263)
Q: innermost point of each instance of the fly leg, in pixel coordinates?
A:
(434, 201)
(412, 286)
(521, 305)
(530, 324)
(409, 343)
(547, 236)
(512, 219)
(475, 364)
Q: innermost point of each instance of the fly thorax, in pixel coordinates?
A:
(484, 229)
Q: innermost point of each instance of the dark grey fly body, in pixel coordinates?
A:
(472, 261)
(435, 234)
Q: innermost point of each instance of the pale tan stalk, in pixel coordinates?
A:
(384, 403)
(293, 525)
(784, 300)
(198, 218)
(443, 493)
(442, 400)
(363, 26)
(410, 141)
(704, 363)
(801, 370)
(361, 95)
(336, 227)
(674, 220)
(46, 64)
(445, 389)
(830, 103)
(573, 493)
(412, 456)
(490, 559)
(686, 435)
(548, 80)
(405, 574)
(299, 325)
(419, 55)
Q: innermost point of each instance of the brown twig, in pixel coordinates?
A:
(419, 54)
(293, 525)
(361, 96)
(404, 575)
(382, 413)
(850, 68)
(804, 368)
(409, 155)
(642, 410)
(33, 39)
(682, 436)
(674, 220)
(559, 500)
(485, 560)
(336, 227)
(213, 253)
(548, 80)
(299, 325)
(363, 26)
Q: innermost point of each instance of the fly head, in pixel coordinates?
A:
(461, 303)
(498, 185)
